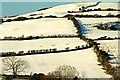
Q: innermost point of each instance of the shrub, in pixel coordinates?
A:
(64, 72)
(36, 76)
(20, 19)
(50, 16)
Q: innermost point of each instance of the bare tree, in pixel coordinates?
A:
(14, 65)
(54, 74)
(64, 71)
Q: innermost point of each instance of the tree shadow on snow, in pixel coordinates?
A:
(115, 63)
(84, 29)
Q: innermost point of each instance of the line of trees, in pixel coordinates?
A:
(76, 24)
(90, 42)
(38, 37)
(103, 56)
(84, 9)
(93, 16)
(88, 10)
(26, 18)
(43, 9)
(64, 72)
(44, 51)
(21, 19)
(53, 16)
(107, 38)
(108, 26)
(99, 9)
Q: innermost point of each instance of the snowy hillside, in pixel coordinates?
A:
(92, 32)
(106, 6)
(37, 27)
(84, 60)
(58, 10)
(58, 43)
(63, 10)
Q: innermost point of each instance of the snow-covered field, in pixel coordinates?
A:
(102, 6)
(48, 43)
(96, 20)
(62, 9)
(93, 32)
(85, 61)
(38, 27)
(112, 47)
(106, 6)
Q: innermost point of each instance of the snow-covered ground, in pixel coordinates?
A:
(112, 47)
(48, 43)
(38, 27)
(85, 61)
(96, 20)
(63, 9)
(93, 32)
(106, 6)
(102, 6)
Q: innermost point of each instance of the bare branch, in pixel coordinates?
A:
(64, 71)
(14, 65)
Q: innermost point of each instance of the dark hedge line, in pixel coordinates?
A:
(35, 76)
(22, 19)
(85, 7)
(43, 9)
(99, 9)
(107, 38)
(32, 17)
(43, 51)
(76, 24)
(108, 26)
(37, 37)
(53, 16)
(103, 56)
(93, 16)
